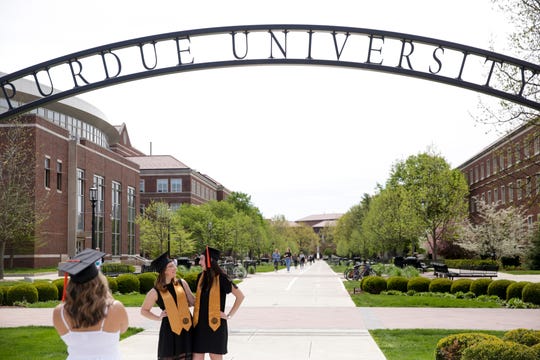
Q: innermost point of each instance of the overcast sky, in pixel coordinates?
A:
(299, 140)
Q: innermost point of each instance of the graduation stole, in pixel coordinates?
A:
(214, 312)
(178, 313)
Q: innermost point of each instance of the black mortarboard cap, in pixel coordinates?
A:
(82, 267)
(209, 254)
(160, 262)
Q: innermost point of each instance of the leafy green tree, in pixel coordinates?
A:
(350, 237)
(500, 232)
(435, 194)
(533, 256)
(390, 224)
(20, 213)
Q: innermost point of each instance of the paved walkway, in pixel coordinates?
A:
(306, 314)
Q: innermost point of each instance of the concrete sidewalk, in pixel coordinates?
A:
(305, 314)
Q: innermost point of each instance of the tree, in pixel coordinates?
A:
(501, 232)
(348, 234)
(434, 193)
(20, 212)
(153, 228)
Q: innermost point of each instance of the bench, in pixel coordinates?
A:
(489, 271)
(441, 270)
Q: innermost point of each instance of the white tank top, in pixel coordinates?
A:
(91, 345)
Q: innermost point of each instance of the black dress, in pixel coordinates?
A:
(170, 345)
(206, 340)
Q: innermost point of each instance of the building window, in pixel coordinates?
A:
(59, 175)
(530, 221)
(510, 192)
(47, 173)
(527, 149)
(494, 165)
(471, 178)
(528, 186)
(131, 220)
(509, 157)
(141, 185)
(80, 200)
(116, 212)
(537, 184)
(501, 161)
(481, 171)
(489, 197)
(99, 183)
(162, 185)
(488, 168)
(503, 194)
(176, 185)
(519, 189)
(536, 145)
(495, 196)
(517, 154)
(475, 173)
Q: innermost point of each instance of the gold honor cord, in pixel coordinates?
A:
(214, 312)
(178, 314)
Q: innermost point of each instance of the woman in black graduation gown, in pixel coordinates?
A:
(210, 333)
(174, 298)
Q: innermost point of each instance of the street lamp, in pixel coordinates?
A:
(93, 200)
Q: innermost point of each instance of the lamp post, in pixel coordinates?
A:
(93, 200)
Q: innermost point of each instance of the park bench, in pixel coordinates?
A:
(441, 270)
(479, 271)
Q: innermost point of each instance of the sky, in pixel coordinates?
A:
(300, 140)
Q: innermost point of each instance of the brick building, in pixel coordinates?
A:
(507, 172)
(77, 149)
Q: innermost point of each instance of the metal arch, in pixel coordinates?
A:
(527, 85)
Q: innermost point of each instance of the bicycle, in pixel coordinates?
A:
(234, 270)
(358, 271)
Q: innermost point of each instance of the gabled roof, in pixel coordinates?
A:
(158, 162)
(325, 223)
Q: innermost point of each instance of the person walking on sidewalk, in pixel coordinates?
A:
(210, 333)
(90, 321)
(276, 257)
(288, 255)
(174, 297)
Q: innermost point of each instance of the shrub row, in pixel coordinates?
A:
(517, 344)
(504, 289)
(124, 283)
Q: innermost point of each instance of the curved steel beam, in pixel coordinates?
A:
(391, 52)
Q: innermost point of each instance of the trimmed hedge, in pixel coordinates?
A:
(116, 268)
(452, 347)
(440, 285)
(59, 283)
(46, 291)
(480, 286)
(128, 283)
(500, 350)
(373, 284)
(398, 283)
(113, 284)
(3, 290)
(191, 279)
(531, 293)
(146, 281)
(523, 336)
(515, 290)
(418, 284)
(463, 285)
(498, 288)
(22, 292)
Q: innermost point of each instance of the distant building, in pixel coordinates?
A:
(164, 178)
(320, 221)
(507, 173)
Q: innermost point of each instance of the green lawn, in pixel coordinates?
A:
(37, 342)
(415, 344)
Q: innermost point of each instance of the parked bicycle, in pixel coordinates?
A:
(358, 271)
(234, 270)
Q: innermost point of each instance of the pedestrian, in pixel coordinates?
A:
(89, 320)
(276, 257)
(174, 297)
(287, 256)
(210, 333)
(302, 260)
